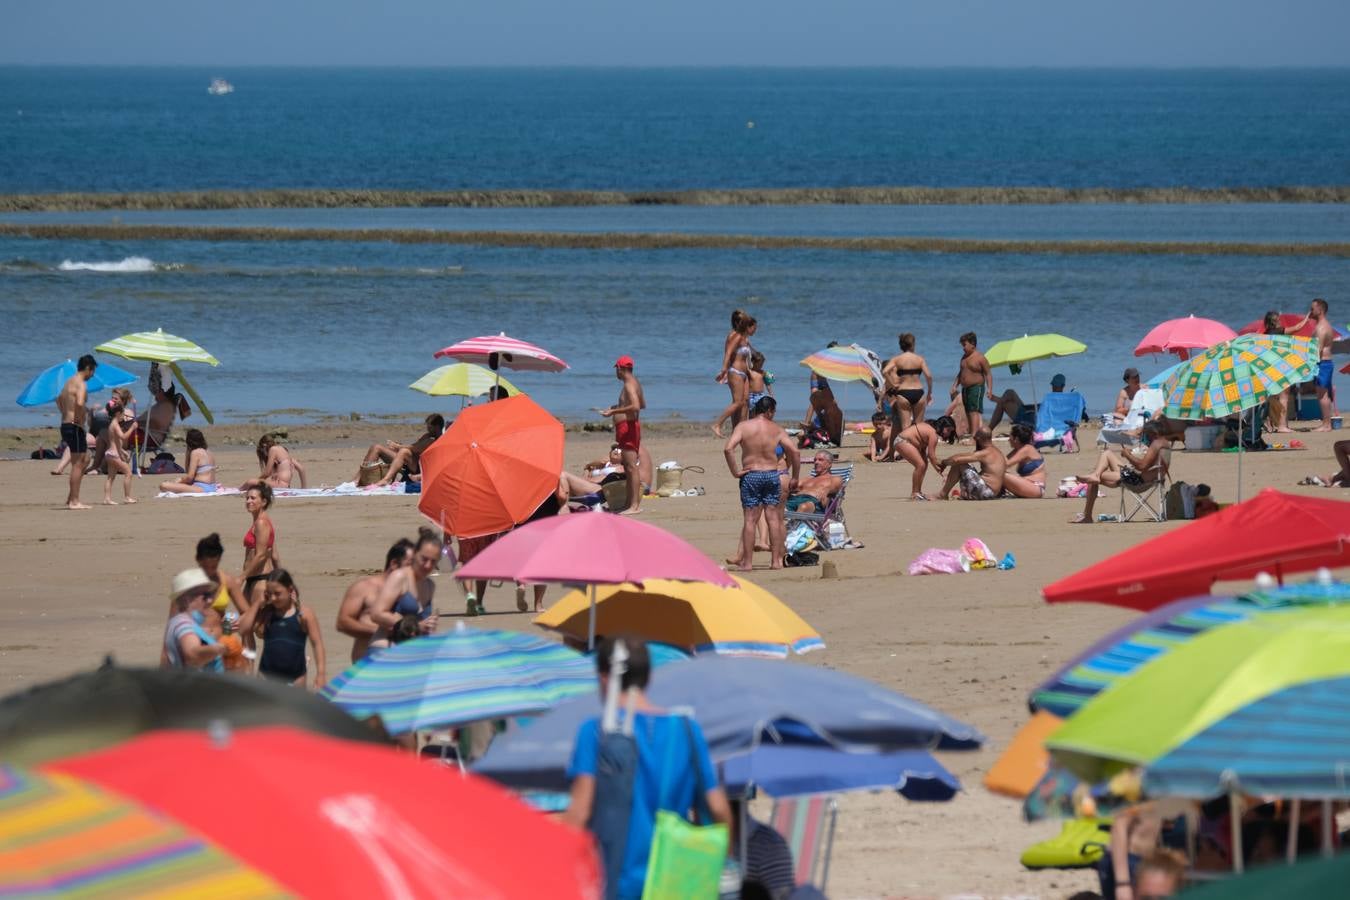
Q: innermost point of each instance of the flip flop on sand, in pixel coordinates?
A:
(1080, 519)
(923, 497)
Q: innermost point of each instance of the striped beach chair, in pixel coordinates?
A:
(807, 824)
(819, 522)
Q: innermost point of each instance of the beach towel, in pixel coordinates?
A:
(346, 489)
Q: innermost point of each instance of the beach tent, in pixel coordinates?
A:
(1272, 532)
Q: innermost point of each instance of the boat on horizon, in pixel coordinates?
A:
(219, 86)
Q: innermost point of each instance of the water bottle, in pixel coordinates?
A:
(836, 535)
(1108, 517)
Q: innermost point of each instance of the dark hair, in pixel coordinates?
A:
(266, 614)
(265, 444)
(637, 671)
(401, 548)
(756, 359)
(435, 424)
(1271, 323)
(941, 424)
(428, 535)
(765, 404)
(210, 547)
(1203, 490)
(968, 338)
(1322, 303)
(907, 342)
(496, 392)
(1022, 432)
(194, 439)
(741, 321)
(87, 362)
(405, 629)
(879, 416)
(264, 491)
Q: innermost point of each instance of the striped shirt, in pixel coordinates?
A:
(768, 860)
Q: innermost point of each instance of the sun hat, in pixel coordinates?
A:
(624, 362)
(1059, 380)
(1131, 372)
(188, 580)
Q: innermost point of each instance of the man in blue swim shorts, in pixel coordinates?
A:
(1322, 336)
(758, 439)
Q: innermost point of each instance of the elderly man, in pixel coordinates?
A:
(979, 473)
(814, 491)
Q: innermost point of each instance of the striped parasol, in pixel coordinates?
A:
(62, 837)
(157, 346)
(841, 363)
(460, 380)
(497, 351)
(466, 675)
(1237, 375)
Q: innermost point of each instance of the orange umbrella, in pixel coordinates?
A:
(492, 467)
(1026, 760)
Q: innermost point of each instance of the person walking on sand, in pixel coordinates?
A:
(1323, 335)
(116, 458)
(758, 439)
(974, 381)
(735, 372)
(904, 387)
(628, 430)
(354, 617)
(74, 394)
(260, 544)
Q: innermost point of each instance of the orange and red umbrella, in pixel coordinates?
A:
(492, 467)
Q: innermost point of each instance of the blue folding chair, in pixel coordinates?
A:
(1058, 415)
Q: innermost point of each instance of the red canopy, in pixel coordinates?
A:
(1287, 320)
(1272, 532)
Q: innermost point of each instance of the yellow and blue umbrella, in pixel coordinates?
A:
(46, 386)
(745, 620)
(461, 380)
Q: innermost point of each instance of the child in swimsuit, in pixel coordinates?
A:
(759, 382)
(284, 625)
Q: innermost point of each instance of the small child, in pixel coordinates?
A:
(881, 449)
(210, 629)
(759, 381)
(284, 625)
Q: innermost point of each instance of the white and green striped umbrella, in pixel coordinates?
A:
(157, 346)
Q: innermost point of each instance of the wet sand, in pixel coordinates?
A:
(84, 585)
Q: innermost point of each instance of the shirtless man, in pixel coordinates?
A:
(980, 473)
(974, 380)
(757, 471)
(628, 430)
(71, 402)
(815, 490)
(1323, 335)
(354, 614)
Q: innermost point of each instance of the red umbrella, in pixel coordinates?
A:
(499, 350)
(1271, 532)
(329, 818)
(1287, 320)
(1182, 335)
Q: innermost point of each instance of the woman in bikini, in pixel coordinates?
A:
(1025, 476)
(277, 466)
(904, 387)
(409, 591)
(1114, 469)
(917, 445)
(200, 477)
(260, 543)
(735, 372)
(115, 457)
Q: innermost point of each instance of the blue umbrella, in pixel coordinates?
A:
(794, 771)
(1293, 743)
(47, 385)
(739, 702)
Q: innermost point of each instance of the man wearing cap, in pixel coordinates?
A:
(186, 646)
(1126, 395)
(627, 429)
(1010, 404)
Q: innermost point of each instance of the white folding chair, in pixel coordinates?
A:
(1147, 403)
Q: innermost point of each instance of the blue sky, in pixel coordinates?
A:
(683, 33)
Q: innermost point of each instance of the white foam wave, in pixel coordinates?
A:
(129, 264)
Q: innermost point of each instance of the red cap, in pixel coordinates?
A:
(624, 362)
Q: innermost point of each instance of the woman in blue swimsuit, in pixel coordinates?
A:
(1025, 476)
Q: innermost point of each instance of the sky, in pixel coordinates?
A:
(1052, 33)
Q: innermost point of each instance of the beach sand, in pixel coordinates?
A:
(83, 585)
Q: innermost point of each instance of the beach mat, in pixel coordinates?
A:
(346, 489)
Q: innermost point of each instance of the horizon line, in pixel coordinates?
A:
(845, 67)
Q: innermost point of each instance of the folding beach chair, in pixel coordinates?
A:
(1149, 498)
(807, 824)
(1147, 402)
(1058, 415)
(819, 521)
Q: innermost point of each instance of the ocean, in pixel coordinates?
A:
(327, 328)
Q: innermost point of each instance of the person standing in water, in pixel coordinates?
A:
(628, 430)
(71, 400)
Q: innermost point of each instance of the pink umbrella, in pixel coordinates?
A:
(592, 549)
(1182, 335)
(499, 350)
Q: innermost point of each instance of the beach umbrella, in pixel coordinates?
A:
(592, 550)
(1029, 348)
(743, 620)
(46, 385)
(1157, 381)
(1178, 695)
(841, 363)
(492, 468)
(1271, 532)
(461, 380)
(327, 818)
(162, 347)
(1313, 878)
(465, 675)
(112, 704)
(741, 702)
(1180, 336)
(496, 351)
(800, 770)
(61, 837)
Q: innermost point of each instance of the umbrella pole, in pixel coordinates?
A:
(1291, 842)
(1327, 849)
(1239, 484)
(1032, 376)
(590, 629)
(1235, 829)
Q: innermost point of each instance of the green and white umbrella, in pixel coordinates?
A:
(161, 347)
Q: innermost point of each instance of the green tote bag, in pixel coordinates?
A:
(686, 859)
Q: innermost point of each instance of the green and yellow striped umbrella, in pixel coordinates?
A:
(1237, 375)
(461, 380)
(161, 347)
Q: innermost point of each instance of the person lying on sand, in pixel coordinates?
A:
(1340, 478)
(979, 473)
(1114, 469)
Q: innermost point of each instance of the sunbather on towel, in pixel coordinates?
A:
(814, 491)
(396, 456)
(277, 465)
(979, 473)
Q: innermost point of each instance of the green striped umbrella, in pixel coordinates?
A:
(466, 675)
(161, 347)
(1237, 375)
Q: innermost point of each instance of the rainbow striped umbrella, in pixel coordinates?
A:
(465, 675)
(1237, 375)
(840, 363)
(62, 837)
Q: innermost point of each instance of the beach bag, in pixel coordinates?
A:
(670, 478)
(1180, 501)
(935, 561)
(371, 473)
(164, 464)
(616, 494)
(801, 558)
(975, 554)
(686, 859)
(800, 538)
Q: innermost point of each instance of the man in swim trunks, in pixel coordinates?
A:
(1322, 336)
(353, 618)
(980, 473)
(974, 379)
(71, 400)
(758, 439)
(628, 430)
(815, 490)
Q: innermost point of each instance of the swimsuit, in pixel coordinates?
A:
(973, 487)
(283, 653)
(797, 501)
(628, 435)
(206, 487)
(407, 605)
(912, 395)
(972, 397)
(1131, 476)
(222, 601)
(75, 437)
(760, 487)
(1325, 369)
(753, 397)
(251, 542)
(1027, 466)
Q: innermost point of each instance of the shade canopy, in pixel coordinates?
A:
(705, 618)
(799, 770)
(1287, 320)
(1031, 347)
(461, 380)
(1237, 375)
(841, 363)
(499, 351)
(157, 346)
(46, 385)
(1199, 683)
(1272, 532)
(592, 549)
(1183, 335)
(492, 468)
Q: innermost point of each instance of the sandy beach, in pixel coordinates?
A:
(83, 585)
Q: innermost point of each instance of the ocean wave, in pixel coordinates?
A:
(128, 264)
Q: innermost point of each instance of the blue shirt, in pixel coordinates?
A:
(665, 779)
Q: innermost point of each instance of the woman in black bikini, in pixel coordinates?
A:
(735, 372)
(1025, 476)
(903, 375)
